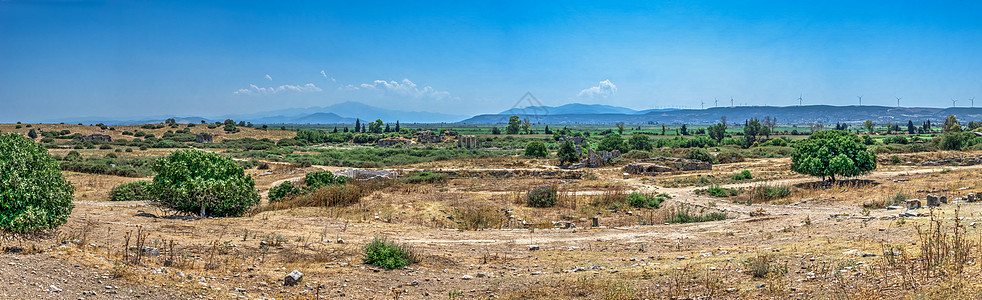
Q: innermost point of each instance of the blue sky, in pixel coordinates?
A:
(208, 58)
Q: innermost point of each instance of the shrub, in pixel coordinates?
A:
(424, 177)
(34, 195)
(636, 154)
(536, 149)
(699, 154)
(131, 191)
(684, 215)
(543, 196)
(613, 142)
(767, 193)
(729, 157)
(646, 201)
(315, 180)
(389, 255)
(742, 175)
(283, 190)
(567, 153)
(192, 181)
(717, 191)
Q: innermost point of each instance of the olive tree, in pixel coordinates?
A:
(832, 153)
(536, 149)
(34, 195)
(567, 153)
(193, 181)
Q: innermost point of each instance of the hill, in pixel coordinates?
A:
(785, 114)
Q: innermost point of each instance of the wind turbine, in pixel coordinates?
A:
(702, 104)
(953, 102)
(898, 101)
(717, 101)
(799, 100)
(860, 100)
(731, 101)
(973, 101)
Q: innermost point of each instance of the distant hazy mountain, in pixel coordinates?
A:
(345, 112)
(785, 115)
(571, 109)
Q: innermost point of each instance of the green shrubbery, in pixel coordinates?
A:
(700, 154)
(424, 177)
(645, 200)
(536, 149)
(717, 191)
(283, 190)
(389, 255)
(131, 191)
(742, 175)
(685, 215)
(192, 181)
(34, 195)
(543, 196)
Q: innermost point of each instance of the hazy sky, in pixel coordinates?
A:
(207, 58)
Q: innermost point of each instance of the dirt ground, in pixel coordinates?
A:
(821, 240)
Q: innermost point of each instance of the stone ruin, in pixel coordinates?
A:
(468, 142)
(358, 174)
(656, 165)
(428, 137)
(96, 137)
(596, 159)
(204, 138)
(577, 140)
(392, 142)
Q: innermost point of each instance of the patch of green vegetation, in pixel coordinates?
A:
(717, 191)
(543, 196)
(742, 175)
(685, 215)
(646, 201)
(424, 177)
(131, 191)
(389, 255)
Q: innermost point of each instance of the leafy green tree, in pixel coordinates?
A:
(910, 127)
(869, 126)
(832, 153)
(620, 127)
(193, 181)
(567, 153)
(640, 142)
(357, 125)
(613, 142)
(717, 132)
(514, 124)
(951, 124)
(495, 130)
(536, 149)
(751, 130)
(34, 195)
(283, 190)
(375, 127)
(32, 134)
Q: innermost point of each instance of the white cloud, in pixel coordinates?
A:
(268, 77)
(603, 90)
(404, 88)
(256, 90)
(325, 76)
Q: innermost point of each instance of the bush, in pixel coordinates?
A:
(389, 255)
(283, 190)
(131, 191)
(543, 196)
(424, 177)
(34, 195)
(646, 201)
(315, 180)
(699, 154)
(717, 191)
(767, 193)
(743, 175)
(684, 215)
(192, 181)
(636, 154)
(536, 149)
(729, 157)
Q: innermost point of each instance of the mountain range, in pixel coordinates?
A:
(576, 113)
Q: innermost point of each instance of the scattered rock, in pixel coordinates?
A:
(466, 277)
(533, 247)
(913, 204)
(293, 278)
